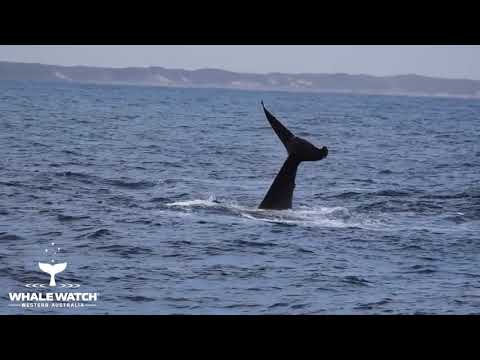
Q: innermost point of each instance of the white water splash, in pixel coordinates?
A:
(211, 201)
(336, 217)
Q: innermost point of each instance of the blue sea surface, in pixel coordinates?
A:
(150, 196)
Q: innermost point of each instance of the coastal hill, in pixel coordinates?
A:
(215, 78)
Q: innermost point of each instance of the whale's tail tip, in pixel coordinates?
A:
(321, 154)
(303, 150)
(282, 132)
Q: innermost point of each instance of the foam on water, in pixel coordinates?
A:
(336, 216)
(195, 203)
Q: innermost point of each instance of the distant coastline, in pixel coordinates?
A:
(411, 84)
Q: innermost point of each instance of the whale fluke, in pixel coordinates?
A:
(282, 132)
(52, 270)
(280, 194)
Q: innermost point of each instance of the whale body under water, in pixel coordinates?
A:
(279, 196)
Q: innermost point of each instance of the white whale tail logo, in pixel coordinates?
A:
(52, 270)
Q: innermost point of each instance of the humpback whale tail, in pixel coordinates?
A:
(296, 147)
(280, 194)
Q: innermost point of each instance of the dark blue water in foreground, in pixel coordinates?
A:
(151, 193)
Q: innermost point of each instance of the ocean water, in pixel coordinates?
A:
(150, 196)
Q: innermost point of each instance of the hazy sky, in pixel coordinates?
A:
(443, 61)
